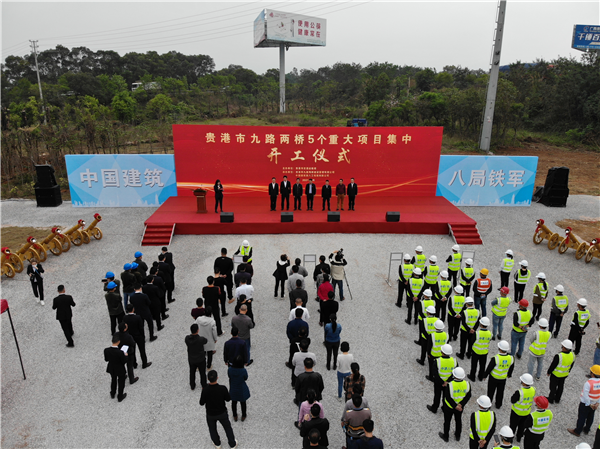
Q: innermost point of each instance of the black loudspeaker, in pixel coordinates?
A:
(48, 196)
(287, 217)
(556, 189)
(45, 176)
(333, 216)
(392, 216)
(226, 217)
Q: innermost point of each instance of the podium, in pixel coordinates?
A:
(200, 195)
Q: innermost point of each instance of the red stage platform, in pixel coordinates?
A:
(418, 215)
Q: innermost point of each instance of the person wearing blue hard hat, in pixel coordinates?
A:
(114, 304)
(128, 279)
(142, 268)
(138, 275)
(110, 277)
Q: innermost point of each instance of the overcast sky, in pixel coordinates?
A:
(425, 34)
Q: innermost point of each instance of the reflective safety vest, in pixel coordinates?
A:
(420, 260)
(565, 360)
(458, 391)
(445, 287)
(424, 304)
(415, 284)
(456, 303)
(582, 317)
(507, 264)
(562, 302)
(445, 365)
(483, 285)
(538, 347)
(484, 420)
(429, 326)
(469, 271)
(501, 307)
(432, 274)
(481, 345)
(524, 317)
(543, 291)
(522, 279)
(407, 269)
(471, 317)
(541, 421)
(246, 252)
(503, 363)
(439, 339)
(523, 406)
(454, 264)
(594, 393)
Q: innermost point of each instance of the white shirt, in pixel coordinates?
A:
(343, 362)
(244, 289)
(305, 314)
(585, 394)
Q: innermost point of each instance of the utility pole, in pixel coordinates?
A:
(488, 115)
(282, 78)
(37, 69)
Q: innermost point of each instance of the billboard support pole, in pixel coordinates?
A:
(282, 78)
(488, 115)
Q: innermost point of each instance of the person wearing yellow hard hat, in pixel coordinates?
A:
(482, 287)
(589, 401)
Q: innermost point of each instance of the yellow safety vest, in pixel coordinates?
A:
(469, 271)
(432, 274)
(439, 339)
(523, 320)
(481, 345)
(484, 420)
(471, 317)
(541, 421)
(445, 287)
(429, 326)
(420, 260)
(445, 365)
(501, 307)
(503, 363)
(415, 284)
(565, 360)
(523, 279)
(424, 304)
(538, 347)
(507, 264)
(582, 317)
(543, 291)
(456, 303)
(562, 302)
(407, 269)
(523, 406)
(454, 264)
(458, 391)
(246, 252)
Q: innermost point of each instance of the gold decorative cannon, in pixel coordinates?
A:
(28, 252)
(52, 243)
(593, 251)
(542, 232)
(39, 248)
(7, 269)
(92, 230)
(75, 234)
(570, 241)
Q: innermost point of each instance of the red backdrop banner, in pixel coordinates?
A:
(388, 161)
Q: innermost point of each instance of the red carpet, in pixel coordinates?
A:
(418, 215)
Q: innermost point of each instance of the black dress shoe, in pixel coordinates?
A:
(407, 321)
(164, 317)
(431, 409)
(443, 437)
(224, 314)
(193, 387)
(135, 366)
(160, 328)
(135, 379)
(71, 345)
(420, 362)
(460, 356)
(167, 309)
(112, 395)
(123, 397)
(457, 437)
(146, 365)
(472, 379)
(154, 337)
(250, 362)
(417, 342)
(429, 378)
(289, 365)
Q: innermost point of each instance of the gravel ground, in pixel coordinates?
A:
(65, 402)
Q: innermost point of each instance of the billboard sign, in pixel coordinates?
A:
(487, 180)
(272, 28)
(586, 37)
(121, 180)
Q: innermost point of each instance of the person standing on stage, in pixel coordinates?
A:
(273, 193)
(340, 191)
(224, 265)
(310, 191)
(326, 195)
(297, 192)
(285, 189)
(218, 195)
(352, 192)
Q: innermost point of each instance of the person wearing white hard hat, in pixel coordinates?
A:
(431, 274)
(454, 260)
(537, 348)
(419, 258)
(537, 423)
(435, 341)
(521, 400)
(499, 369)
(585, 445)
(426, 326)
(507, 265)
(506, 438)
(413, 294)
(522, 276)
(442, 373)
(560, 306)
(499, 309)
(455, 308)
(589, 402)
(559, 369)
(540, 293)
(581, 319)
(457, 394)
(467, 276)
(483, 424)
(404, 273)
(480, 349)
(469, 323)
(443, 295)
(245, 250)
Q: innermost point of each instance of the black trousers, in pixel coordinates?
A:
(466, 342)
(209, 357)
(351, 200)
(453, 326)
(467, 290)
(38, 289)
(120, 380)
(328, 200)
(410, 304)
(440, 308)
(200, 366)
(517, 424)
(437, 394)
(273, 202)
(170, 287)
(448, 414)
(293, 349)
(114, 320)
(219, 202)
(309, 201)
(140, 342)
(537, 311)
(130, 365)
(223, 418)
(496, 386)
(277, 282)
(332, 349)
(229, 284)
(148, 319)
(453, 277)
(285, 199)
(67, 327)
(478, 359)
(557, 385)
(297, 202)
(234, 407)
(519, 289)
(597, 440)
(402, 288)
(504, 278)
(533, 440)
(223, 301)
(575, 337)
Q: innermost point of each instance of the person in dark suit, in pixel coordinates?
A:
(352, 192)
(311, 191)
(114, 302)
(169, 261)
(196, 356)
(62, 304)
(297, 192)
(224, 265)
(142, 267)
(273, 193)
(326, 195)
(142, 305)
(168, 276)
(285, 189)
(135, 327)
(218, 195)
(34, 271)
(313, 421)
(125, 339)
(153, 292)
(116, 368)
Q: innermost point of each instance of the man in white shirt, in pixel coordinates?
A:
(305, 314)
(244, 289)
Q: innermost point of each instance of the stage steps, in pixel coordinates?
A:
(465, 233)
(158, 234)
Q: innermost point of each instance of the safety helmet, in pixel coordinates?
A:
(559, 288)
(109, 274)
(446, 349)
(543, 322)
(541, 276)
(458, 373)
(439, 325)
(484, 401)
(509, 252)
(567, 344)
(433, 259)
(541, 402)
(582, 302)
(127, 266)
(444, 274)
(503, 346)
(524, 263)
(469, 300)
(456, 248)
(111, 285)
(485, 321)
(417, 271)
(134, 265)
(485, 271)
(459, 289)
(245, 243)
(505, 290)
(524, 303)
(430, 310)
(428, 292)
(469, 261)
(527, 379)
(583, 446)
(506, 432)
(407, 256)
(595, 369)
(138, 254)
(419, 249)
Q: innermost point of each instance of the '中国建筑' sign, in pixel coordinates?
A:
(487, 180)
(121, 180)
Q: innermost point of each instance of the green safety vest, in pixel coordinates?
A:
(562, 302)
(582, 317)
(415, 284)
(523, 320)
(523, 279)
(503, 363)
(439, 339)
(429, 326)
(469, 271)
(507, 264)
(246, 252)
(458, 391)
(471, 317)
(432, 274)
(454, 265)
(424, 304)
(420, 260)
(565, 360)
(538, 347)
(501, 307)
(481, 345)
(484, 420)
(541, 421)
(445, 365)
(456, 303)
(445, 287)
(407, 269)
(523, 406)
(543, 291)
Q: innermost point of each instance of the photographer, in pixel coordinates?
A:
(280, 273)
(337, 270)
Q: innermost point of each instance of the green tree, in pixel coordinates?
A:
(124, 106)
(425, 79)
(160, 107)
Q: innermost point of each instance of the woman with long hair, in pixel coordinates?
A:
(311, 399)
(332, 340)
(238, 389)
(352, 379)
(218, 195)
